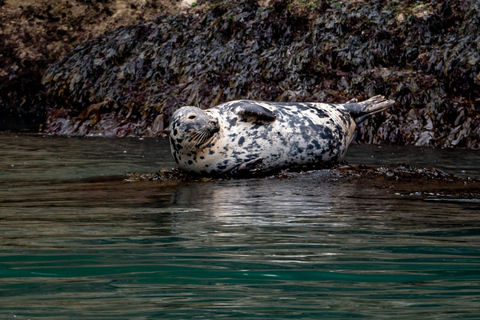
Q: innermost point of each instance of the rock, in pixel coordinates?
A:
(34, 34)
(423, 56)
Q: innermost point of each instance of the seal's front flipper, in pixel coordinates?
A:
(254, 112)
(247, 168)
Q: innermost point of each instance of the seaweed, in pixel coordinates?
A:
(424, 55)
(36, 34)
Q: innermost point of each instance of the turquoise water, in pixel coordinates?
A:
(78, 242)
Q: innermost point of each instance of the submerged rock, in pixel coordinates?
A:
(423, 55)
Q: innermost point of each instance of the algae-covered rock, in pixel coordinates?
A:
(423, 54)
(34, 34)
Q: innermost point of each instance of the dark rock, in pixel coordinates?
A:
(34, 34)
(423, 55)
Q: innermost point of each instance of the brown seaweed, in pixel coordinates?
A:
(424, 55)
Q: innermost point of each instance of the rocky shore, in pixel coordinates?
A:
(128, 81)
(36, 34)
(402, 182)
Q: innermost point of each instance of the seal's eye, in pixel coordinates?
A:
(192, 116)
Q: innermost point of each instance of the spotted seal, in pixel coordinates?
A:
(248, 137)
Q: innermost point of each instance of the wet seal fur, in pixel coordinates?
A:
(247, 137)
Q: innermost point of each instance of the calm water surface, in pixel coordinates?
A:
(78, 242)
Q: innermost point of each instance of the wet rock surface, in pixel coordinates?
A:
(401, 182)
(419, 183)
(423, 54)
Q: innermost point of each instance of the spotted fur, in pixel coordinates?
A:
(249, 137)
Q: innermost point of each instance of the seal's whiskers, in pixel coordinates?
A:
(201, 135)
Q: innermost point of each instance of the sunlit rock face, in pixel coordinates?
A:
(424, 56)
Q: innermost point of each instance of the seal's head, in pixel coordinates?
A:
(192, 128)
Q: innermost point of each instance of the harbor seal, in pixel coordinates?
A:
(247, 137)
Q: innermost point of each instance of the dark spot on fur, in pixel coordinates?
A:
(327, 133)
(211, 152)
(202, 157)
(241, 141)
(175, 132)
(190, 162)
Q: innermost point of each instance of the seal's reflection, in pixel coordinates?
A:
(271, 201)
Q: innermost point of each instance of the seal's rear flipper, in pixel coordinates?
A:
(362, 110)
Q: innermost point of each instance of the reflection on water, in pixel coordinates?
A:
(79, 242)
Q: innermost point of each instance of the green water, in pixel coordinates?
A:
(78, 242)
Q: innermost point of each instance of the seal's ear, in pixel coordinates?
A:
(255, 112)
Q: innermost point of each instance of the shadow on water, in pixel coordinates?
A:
(305, 245)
